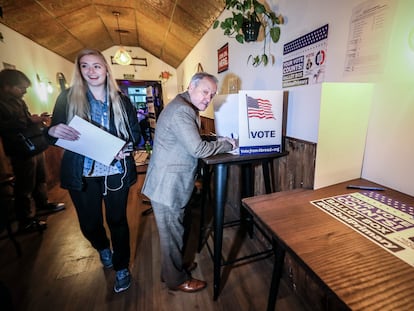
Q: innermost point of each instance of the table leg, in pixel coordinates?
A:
(247, 191)
(266, 175)
(220, 181)
(279, 258)
(204, 193)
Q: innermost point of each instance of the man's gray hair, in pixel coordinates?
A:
(201, 75)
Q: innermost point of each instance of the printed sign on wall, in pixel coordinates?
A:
(304, 58)
(223, 58)
(260, 121)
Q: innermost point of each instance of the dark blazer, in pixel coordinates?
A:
(72, 163)
(177, 147)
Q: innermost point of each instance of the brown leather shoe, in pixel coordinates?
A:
(191, 286)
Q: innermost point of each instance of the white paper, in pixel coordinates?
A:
(93, 142)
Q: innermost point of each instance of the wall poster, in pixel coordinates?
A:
(369, 32)
(223, 58)
(304, 58)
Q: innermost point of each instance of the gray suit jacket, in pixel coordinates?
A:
(177, 147)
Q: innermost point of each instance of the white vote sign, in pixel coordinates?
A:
(254, 117)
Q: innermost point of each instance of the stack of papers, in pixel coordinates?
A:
(94, 142)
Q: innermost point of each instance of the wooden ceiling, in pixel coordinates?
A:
(168, 29)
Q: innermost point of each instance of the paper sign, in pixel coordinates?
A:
(260, 121)
(93, 142)
(254, 117)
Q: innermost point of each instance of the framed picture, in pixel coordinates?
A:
(223, 58)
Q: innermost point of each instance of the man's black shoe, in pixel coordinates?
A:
(50, 208)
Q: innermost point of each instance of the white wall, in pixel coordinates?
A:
(33, 59)
(391, 123)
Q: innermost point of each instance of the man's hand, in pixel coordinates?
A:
(232, 141)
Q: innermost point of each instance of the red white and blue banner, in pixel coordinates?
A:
(304, 58)
(260, 121)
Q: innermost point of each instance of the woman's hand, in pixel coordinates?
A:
(64, 131)
(125, 151)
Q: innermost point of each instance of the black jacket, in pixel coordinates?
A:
(14, 119)
(72, 163)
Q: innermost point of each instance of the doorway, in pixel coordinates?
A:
(146, 96)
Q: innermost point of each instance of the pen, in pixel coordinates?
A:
(365, 188)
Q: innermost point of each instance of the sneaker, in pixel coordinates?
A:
(106, 257)
(122, 280)
(50, 208)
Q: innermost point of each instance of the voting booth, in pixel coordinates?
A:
(255, 118)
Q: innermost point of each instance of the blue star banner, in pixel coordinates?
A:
(304, 58)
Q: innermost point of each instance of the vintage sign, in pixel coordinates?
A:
(223, 58)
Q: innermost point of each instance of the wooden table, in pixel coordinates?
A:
(355, 272)
(220, 164)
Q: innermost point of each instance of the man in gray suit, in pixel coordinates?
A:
(171, 174)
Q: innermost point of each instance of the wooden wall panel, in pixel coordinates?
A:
(5, 166)
(297, 170)
(207, 126)
(53, 157)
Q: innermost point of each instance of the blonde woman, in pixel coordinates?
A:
(95, 97)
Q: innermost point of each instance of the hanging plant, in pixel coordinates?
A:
(244, 24)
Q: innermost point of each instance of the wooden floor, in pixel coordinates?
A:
(59, 270)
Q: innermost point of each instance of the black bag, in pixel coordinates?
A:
(29, 142)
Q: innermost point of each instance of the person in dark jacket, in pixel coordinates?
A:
(95, 97)
(30, 189)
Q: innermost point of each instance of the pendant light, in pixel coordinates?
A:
(121, 57)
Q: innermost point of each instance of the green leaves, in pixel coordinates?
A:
(232, 26)
(254, 11)
(260, 60)
(275, 34)
(240, 38)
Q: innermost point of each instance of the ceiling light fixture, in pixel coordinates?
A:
(121, 57)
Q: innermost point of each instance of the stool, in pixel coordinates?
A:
(6, 206)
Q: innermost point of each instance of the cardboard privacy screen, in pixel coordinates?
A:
(255, 117)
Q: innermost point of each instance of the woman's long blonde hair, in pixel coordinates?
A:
(78, 101)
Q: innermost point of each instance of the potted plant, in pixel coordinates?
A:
(244, 24)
